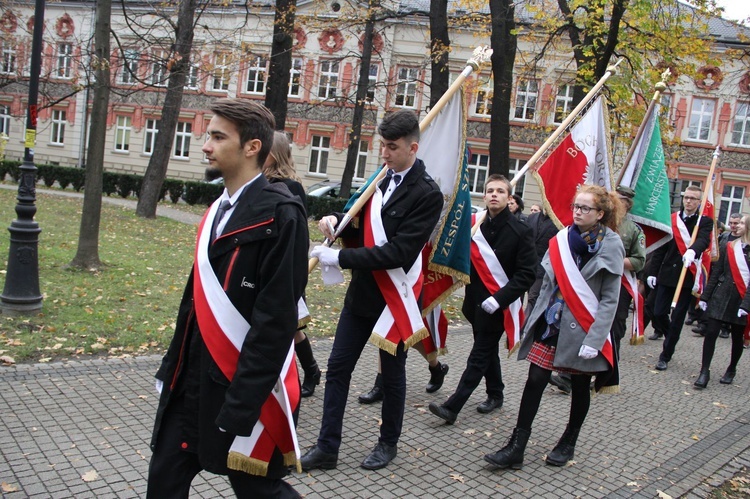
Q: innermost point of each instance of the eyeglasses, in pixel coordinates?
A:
(690, 198)
(581, 207)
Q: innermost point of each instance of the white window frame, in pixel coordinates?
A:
(129, 70)
(741, 127)
(191, 79)
(8, 62)
(526, 100)
(182, 136)
(123, 127)
(360, 170)
(732, 199)
(159, 76)
(478, 167)
(150, 131)
(329, 79)
(483, 105)
(295, 78)
(406, 88)
(257, 72)
(57, 130)
(701, 118)
(64, 67)
(372, 82)
(320, 148)
(5, 120)
(220, 74)
(563, 103)
(515, 165)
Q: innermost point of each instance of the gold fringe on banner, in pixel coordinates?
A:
(636, 340)
(250, 465)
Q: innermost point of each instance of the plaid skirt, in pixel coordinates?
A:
(543, 355)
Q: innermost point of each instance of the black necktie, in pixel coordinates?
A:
(223, 207)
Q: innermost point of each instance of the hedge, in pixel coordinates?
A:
(318, 207)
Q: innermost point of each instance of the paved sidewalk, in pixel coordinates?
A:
(66, 420)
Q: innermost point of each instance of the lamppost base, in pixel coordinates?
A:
(15, 308)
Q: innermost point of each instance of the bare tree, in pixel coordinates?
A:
(439, 50)
(280, 64)
(504, 42)
(87, 255)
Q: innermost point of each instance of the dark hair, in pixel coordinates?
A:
(253, 121)
(735, 215)
(519, 202)
(401, 124)
(496, 177)
(605, 201)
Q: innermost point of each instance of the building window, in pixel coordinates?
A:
(182, 140)
(221, 72)
(677, 188)
(361, 170)
(665, 111)
(731, 202)
(58, 127)
(149, 141)
(8, 62)
(484, 98)
(478, 165)
(64, 60)
(329, 78)
(256, 76)
(515, 165)
(526, 96)
(701, 116)
(159, 69)
(122, 133)
(563, 103)
(129, 66)
(5, 120)
(372, 82)
(741, 130)
(191, 80)
(295, 78)
(319, 150)
(406, 87)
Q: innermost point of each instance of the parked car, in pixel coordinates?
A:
(330, 189)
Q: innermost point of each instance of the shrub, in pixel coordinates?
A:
(128, 184)
(174, 187)
(109, 183)
(318, 207)
(201, 192)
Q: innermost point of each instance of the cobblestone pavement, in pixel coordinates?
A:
(65, 420)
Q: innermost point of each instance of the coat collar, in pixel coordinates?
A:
(417, 171)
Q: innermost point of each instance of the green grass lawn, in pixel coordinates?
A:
(129, 307)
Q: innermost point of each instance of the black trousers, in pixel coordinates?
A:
(352, 334)
(663, 303)
(619, 325)
(709, 343)
(484, 362)
(172, 470)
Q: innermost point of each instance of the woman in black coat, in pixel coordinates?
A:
(723, 303)
(279, 167)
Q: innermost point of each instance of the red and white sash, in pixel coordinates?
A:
(740, 272)
(699, 268)
(630, 283)
(578, 296)
(401, 319)
(224, 329)
(493, 276)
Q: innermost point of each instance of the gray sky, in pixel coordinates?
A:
(735, 10)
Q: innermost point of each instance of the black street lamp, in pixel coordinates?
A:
(21, 294)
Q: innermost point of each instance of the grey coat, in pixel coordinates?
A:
(721, 294)
(603, 275)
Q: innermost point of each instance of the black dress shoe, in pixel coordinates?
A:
(656, 336)
(374, 395)
(437, 376)
(661, 365)
(724, 333)
(702, 381)
(700, 330)
(728, 377)
(489, 405)
(380, 456)
(443, 413)
(689, 321)
(563, 383)
(316, 459)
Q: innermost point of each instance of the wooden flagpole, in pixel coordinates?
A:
(480, 55)
(704, 200)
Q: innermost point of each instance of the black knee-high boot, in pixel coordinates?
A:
(304, 352)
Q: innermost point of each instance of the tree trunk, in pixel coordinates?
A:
(277, 87)
(87, 255)
(355, 135)
(439, 49)
(503, 58)
(179, 67)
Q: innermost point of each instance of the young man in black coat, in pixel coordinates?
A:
(511, 243)
(409, 210)
(231, 354)
(664, 273)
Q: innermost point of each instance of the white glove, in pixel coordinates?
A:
(651, 281)
(327, 256)
(702, 305)
(159, 385)
(490, 305)
(688, 258)
(586, 352)
(741, 313)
